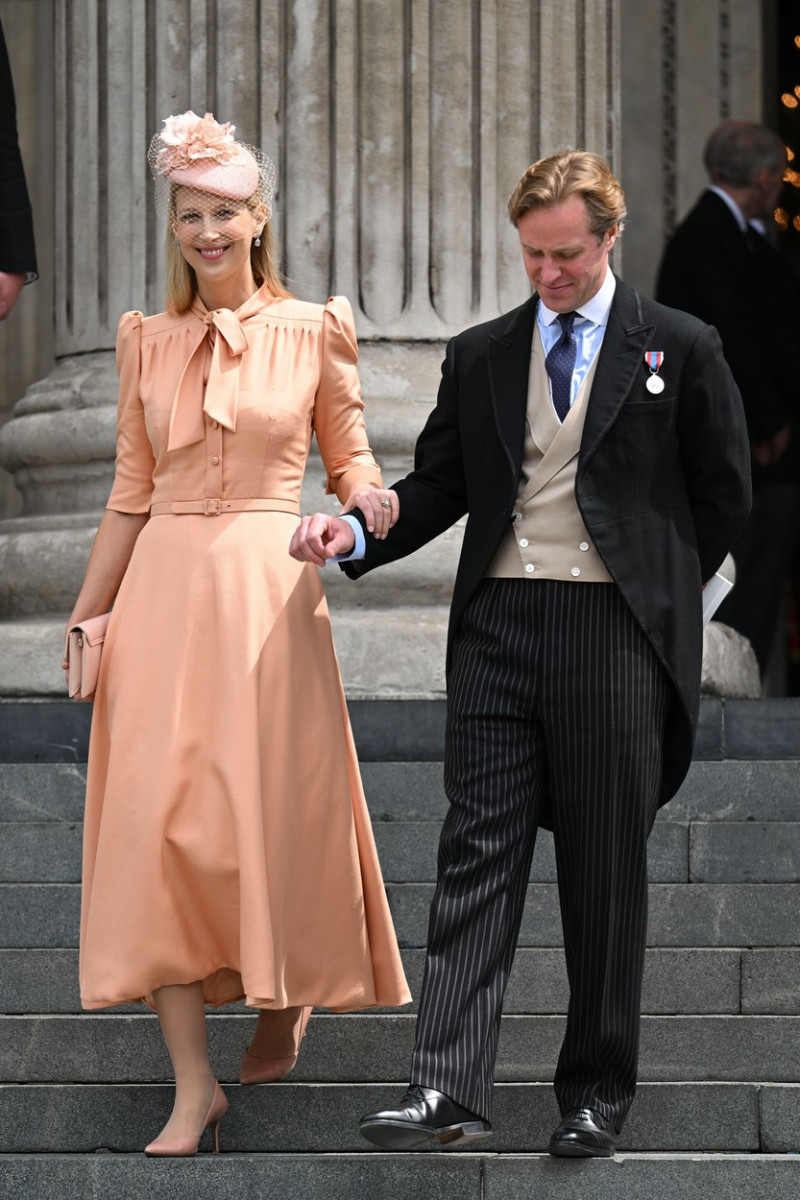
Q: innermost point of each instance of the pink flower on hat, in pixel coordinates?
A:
(202, 153)
(187, 138)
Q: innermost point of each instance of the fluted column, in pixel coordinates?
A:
(686, 67)
(399, 128)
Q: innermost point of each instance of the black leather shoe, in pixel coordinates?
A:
(583, 1133)
(423, 1114)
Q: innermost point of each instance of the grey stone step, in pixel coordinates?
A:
(713, 791)
(408, 850)
(412, 730)
(730, 852)
(679, 981)
(446, 1176)
(413, 791)
(363, 1048)
(307, 1118)
(42, 791)
(771, 981)
(729, 791)
(58, 730)
(680, 914)
(744, 852)
(40, 914)
(50, 852)
(738, 791)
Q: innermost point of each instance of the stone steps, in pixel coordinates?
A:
(680, 914)
(412, 730)
(710, 915)
(423, 1176)
(720, 1052)
(681, 981)
(101, 1048)
(725, 790)
(700, 852)
(300, 1117)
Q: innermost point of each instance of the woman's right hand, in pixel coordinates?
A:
(111, 552)
(380, 506)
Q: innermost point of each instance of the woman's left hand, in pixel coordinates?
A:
(380, 506)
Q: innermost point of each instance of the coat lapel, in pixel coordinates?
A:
(509, 364)
(618, 365)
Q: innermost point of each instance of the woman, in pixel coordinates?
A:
(227, 846)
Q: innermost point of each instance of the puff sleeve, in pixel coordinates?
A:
(338, 407)
(133, 475)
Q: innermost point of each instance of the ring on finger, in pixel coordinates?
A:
(386, 504)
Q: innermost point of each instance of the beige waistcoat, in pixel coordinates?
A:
(547, 538)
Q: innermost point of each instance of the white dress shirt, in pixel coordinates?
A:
(589, 329)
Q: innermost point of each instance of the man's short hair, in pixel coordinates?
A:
(737, 150)
(571, 173)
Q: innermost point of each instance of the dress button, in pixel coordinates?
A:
(529, 567)
(584, 546)
(523, 541)
(215, 424)
(215, 460)
(575, 571)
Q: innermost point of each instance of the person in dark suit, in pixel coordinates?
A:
(719, 266)
(17, 249)
(597, 442)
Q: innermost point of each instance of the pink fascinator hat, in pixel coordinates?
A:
(199, 152)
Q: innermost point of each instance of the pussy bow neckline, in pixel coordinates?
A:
(225, 331)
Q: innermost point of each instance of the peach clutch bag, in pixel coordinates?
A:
(83, 651)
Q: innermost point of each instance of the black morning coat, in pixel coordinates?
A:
(17, 250)
(663, 479)
(742, 286)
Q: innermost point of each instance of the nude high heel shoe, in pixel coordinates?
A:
(187, 1147)
(266, 1069)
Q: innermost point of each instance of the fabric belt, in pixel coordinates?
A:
(215, 507)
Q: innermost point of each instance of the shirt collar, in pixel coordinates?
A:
(595, 310)
(738, 215)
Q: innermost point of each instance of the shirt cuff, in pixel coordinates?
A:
(359, 549)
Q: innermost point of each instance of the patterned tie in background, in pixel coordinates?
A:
(560, 363)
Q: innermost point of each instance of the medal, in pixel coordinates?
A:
(654, 359)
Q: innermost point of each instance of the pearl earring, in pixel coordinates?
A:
(257, 242)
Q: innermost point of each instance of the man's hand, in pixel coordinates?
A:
(10, 287)
(769, 451)
(320, 537)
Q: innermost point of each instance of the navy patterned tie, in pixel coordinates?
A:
(560, 363)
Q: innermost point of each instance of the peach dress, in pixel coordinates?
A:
(227, 837)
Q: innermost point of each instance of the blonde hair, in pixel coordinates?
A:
(571, 173)
(181, 280)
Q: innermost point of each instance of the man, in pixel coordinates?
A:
(597, 442)
(17, 252)
(720, 267)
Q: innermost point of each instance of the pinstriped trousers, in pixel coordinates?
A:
(556, 702)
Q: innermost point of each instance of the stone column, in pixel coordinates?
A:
(399, 127)
(26, 337)
(686, 67)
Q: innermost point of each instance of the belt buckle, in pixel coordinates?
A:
(213, 508)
